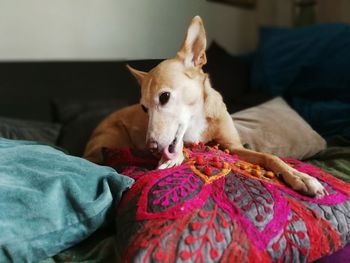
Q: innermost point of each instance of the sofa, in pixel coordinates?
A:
(291, 97)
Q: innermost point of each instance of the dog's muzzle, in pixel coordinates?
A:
(167, 152)
(152, 146)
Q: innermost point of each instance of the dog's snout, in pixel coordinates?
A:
(152, 145)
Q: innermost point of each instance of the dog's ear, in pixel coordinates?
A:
(192, 51)
(139, 75)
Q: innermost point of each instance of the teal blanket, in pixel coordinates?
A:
(50, 201)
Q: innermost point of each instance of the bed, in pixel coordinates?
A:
(285, 98)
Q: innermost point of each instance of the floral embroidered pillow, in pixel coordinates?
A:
(218, 208)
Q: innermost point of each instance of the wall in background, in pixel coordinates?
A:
(330, 11)
(274, 12)
(115, 29)
(136, 29)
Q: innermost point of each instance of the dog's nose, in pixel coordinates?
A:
(152, 146)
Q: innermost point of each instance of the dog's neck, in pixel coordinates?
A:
(212, 109)
(196, 127)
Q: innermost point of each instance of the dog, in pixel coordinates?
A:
(178, 105)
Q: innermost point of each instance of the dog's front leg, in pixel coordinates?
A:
(299, 181)
(228, 138)
(177, 160)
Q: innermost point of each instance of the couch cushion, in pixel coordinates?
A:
(79, 118)
(45, 132)
(229, 75)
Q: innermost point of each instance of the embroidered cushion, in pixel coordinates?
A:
(218, 208)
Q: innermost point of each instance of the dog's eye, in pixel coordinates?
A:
(144, 108)
(164, 97)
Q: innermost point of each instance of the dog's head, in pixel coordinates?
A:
(172, 93)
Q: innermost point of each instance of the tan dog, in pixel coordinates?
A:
(178, 105)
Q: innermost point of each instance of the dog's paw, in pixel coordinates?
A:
(171, 163)
(308, 185)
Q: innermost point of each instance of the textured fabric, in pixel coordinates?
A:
(274, 127)
(217, 208)
(50, 201)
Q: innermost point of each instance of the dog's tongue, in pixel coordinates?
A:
(168, 155)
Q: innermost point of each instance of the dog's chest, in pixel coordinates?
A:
(195, 130)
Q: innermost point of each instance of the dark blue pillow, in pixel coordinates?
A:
(287, 58)
(310, 67)
(50, 201)
(329, 118)
(320, 82)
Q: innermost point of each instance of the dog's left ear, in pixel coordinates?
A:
(138, 74)
(192, 51)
